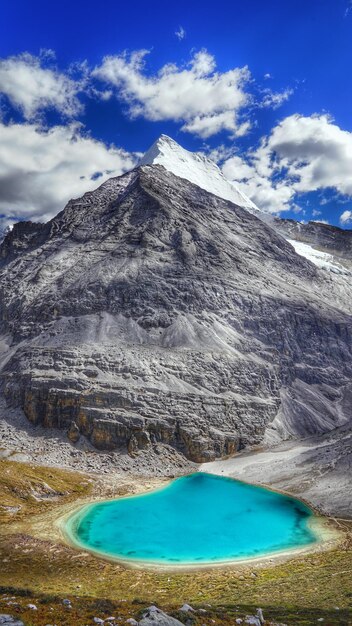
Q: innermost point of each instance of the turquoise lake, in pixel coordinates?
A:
(196, 519)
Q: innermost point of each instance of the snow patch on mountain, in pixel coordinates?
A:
(197, 168)
(323, 260)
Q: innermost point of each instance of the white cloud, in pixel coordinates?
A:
(40, 171)
(180, 33)
(274, 100)
(316, 153)
(297, 209)
(31, 87)
(346, 218)
(204, 100)
(238, 167)
(209, 125)
(253, 176)
(348, 8)
(301, 154)
(220, 153)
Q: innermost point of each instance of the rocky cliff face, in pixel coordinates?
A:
(153, 311)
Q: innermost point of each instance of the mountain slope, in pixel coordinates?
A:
(153, 311)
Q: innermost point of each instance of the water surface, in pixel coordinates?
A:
(199, 518)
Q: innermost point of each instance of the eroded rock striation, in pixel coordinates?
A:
(151, 310)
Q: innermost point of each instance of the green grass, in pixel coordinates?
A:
(22, 485)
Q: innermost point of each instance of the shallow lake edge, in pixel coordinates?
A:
(328, 536)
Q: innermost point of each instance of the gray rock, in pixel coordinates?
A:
(186, 608)
(155, 617)
(252, 620)
(9, 620)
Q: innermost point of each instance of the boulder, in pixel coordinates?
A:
(155, 617)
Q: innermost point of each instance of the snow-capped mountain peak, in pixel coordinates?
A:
(197, 168)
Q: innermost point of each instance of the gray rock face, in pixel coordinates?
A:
(153, 311)
(155, 617)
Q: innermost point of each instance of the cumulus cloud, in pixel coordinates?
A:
(207, 125)
(301, 154)
(254, 176)
(204, 100)
(31, 86)
(346, 218)
(316, 152)
(180, 33)
(40, 171)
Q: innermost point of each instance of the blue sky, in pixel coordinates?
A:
(264, 87)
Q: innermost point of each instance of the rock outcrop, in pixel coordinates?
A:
(152, 311)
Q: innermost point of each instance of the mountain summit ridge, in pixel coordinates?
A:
(197, 168)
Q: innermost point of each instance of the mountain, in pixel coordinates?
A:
(196, 168)
(328, 247)
(151, 311)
